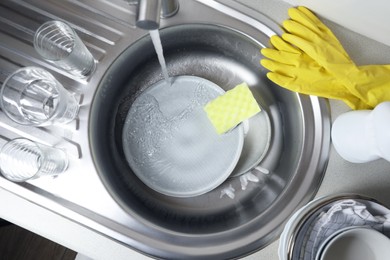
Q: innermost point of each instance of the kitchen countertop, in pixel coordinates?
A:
(371, 179)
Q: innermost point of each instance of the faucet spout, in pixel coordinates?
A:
(150, 11)
(148, 15)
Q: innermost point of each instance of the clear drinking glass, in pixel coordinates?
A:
(59, 44)
(32, 96)
(22, 159)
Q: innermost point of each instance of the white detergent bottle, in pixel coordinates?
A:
(364, 135)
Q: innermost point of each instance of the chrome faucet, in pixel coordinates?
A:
(150, 11)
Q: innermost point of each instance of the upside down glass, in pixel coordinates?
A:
(59, 44)
(32, 96)
(22, 159)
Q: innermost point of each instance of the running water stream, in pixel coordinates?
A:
(155, 35)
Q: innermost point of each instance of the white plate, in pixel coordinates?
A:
(170, 143)
(358, 244)
(323, 245)
(256, 142)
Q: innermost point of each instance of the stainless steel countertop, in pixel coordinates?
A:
(371, 179)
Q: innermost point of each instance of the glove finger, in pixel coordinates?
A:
(315, 20)
(297, 15)
(281, 56)
(293, 84)
(323, 56)
(303, 44)
(312, 17)
(281, 45)
(305, 17)
(300, 30)
(281, 80)
(278, 67)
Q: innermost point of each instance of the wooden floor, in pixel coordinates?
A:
(20, 244)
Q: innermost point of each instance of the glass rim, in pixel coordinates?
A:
(38, 35)
(18, 141)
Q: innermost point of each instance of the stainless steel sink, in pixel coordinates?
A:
(217, 40)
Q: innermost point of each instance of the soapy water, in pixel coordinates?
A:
(150, 128)
(147, 116)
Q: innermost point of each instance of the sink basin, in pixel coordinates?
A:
(216, 40)
(209, 225)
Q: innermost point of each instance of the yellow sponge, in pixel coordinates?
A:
(230, 109)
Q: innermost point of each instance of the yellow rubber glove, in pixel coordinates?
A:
(296, 71)
(308, 33)
(306, 18)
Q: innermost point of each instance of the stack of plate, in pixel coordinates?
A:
(172, 146)
(337, 227)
